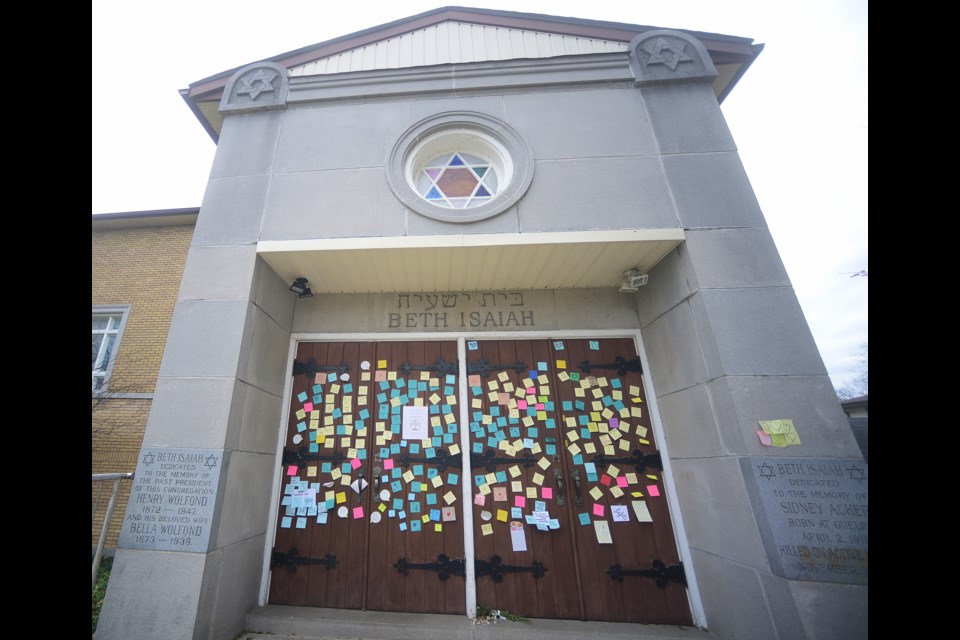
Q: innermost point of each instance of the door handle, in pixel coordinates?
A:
(376, 484)
(360, 484)
(559, 478)
(576, 483)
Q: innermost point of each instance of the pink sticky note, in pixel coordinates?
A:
(388, 463)
(531, 391)
(308, 407)
(653, 490)
(521, 404)
(597, 509)
(357, 513)
(622, 482)
(480, 499)
(519, 501)
(764, 438)
(355, 463)
(614, 423)
(547, 493)
(540, 406)
(292, 470)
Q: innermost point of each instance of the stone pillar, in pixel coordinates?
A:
(191, 552)
(728, 347)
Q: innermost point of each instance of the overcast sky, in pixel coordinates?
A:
(798, 116)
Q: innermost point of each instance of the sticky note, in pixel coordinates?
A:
(501, 515)
(547, 493)
(598, 509)
(486, 529)
(653, 490)
(357, 513)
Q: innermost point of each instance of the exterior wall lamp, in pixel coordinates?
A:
(300, 288)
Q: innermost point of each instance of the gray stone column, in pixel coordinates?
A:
(218, 398)
(728, 346)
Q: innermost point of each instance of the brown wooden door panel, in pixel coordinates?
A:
(354, 424)
(635, 545)
(555, 593)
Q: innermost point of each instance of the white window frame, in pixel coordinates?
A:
(112, 310)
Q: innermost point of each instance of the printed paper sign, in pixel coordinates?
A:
(416, 423)
(517, 536)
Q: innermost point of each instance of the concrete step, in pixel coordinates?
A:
(274, 622)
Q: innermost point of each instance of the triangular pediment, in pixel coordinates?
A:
(455, 41)
(464, 35)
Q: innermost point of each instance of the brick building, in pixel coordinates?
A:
(138, 261)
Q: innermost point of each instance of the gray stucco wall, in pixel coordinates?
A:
(725, 337)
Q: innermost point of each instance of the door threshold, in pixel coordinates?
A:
(276, 622)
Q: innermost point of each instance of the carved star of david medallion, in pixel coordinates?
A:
(148, 459)
(210, 462)
(258, 83)
(674, 54)
(856, 473)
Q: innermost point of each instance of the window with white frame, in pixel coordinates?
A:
(108, 325)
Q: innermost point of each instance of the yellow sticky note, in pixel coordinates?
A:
(543, 463)
(532, 493)
(335, 473)
(516, 486)
(624, 444)
(434, 399)
(423, 486)
(491, 478)
(381, 364)
(301, 414)
(341, 497)
(574, 449)
(616, 491)
(476, 403)
(425, 518)
(613, 470)
(449, 497)
(382, 507)
(631, 478)
(589, 447)
(514, 471)
(438, 527)
(365, 376)
(596, 494)
(454, 449)
(391, 375)
(538, 478)
(484, 489)
(573, 436)
(486, 529)
(408, 476)
(501, 515)
(311, 472)
(563, 376)
(436, 481)
(561, 364)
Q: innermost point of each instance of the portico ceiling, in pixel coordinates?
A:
(480, 262)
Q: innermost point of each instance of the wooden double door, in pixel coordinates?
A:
(565, 486)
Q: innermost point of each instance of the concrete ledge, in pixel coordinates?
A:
(274, 622)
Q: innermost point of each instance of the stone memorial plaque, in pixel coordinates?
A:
(172, 500)
(816, 516)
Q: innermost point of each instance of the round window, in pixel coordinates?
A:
(460, 167)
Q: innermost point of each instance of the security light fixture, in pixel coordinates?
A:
(300, 288)
(632, 280)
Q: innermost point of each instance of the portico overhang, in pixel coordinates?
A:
(477, 262)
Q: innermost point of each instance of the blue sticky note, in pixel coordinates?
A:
(348, 388)
(478, 447)
(417, 469)
(430, 452)
(558, 345)
(391, 513)
(396, 472)
(326, 467)
(551, 424)
(450, 379)
(403, 526)
(285, 522)
(452, 427)
(501, 476)
(364, 414)
(286, 501)
(539, 505)
(362, 454)
(435, 515)
(301, 427)
(516, 513)
(431, 472)
(551, 449)
(398, 504)
(615, 383)
(400, 383)
(532, 432)
(595, 345)
(384, 452)
(382, 398)
(414, 448)
(578, 459)
(415, 525)
(472, 345)
(567, 405)
(302, 396)
(415, 506)
(396, 486)
(402, 514)
(318, 388)
(453, 478)
(578, 404)
(448, 438)
(322, 517)
(515, 432)
(541, 366)
(331, 377)
(479, 480)
(337, 413)
(314, 447)
(431, 498)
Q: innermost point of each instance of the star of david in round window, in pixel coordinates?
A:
(460, 167)
(457, 181)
